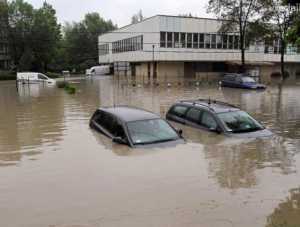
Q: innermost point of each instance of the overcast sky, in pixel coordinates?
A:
(120, 11)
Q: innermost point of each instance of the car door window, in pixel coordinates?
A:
(118, 130)
(179, 111)
(107, 122)
(194, 115)
(42, 77)
(208, 121)
(238, 80)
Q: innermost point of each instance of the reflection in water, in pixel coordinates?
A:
(102, 183)
(287, 214)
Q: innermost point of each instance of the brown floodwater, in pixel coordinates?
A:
(57, 172)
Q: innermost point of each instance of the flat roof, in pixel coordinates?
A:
(161, 15)
(127, 114)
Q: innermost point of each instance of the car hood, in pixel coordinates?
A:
(264, 133)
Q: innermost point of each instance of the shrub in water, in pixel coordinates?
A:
(68, 88)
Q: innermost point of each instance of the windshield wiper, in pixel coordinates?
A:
(247, 130)
(156, 141)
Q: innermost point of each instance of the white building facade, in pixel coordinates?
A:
(166, 46)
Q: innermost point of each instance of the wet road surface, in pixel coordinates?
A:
(57, 172)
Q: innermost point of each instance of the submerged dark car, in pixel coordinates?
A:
(240, 81)
(218, 117)
(134, 127)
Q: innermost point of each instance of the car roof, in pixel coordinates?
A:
(212, 105)
(127, 114)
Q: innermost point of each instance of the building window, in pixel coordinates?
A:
(125, 45)
(103, 49)
(201, 40)
(219, 41)
(230, 42)
(189, 40)
(207, 41)
(162, 39)
(236, 42)
(169, 39)
(195, 41)
(176, 40)
(213, 41)
(225, 41)
(182, 40)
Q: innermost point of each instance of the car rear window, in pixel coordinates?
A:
(179, 110)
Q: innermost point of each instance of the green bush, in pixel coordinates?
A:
(8, 75)
(61, 84)
(68, 88)
(53, 75)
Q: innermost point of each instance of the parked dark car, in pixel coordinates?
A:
(235, 80)
(218, 117)
(134, 127)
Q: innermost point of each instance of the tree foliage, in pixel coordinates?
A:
(32, 31)
(37, 41)
(294, 32)
(236, 16)
(81, 40)
(281, 17)
(137, 17)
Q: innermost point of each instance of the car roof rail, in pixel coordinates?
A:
(208, 101)
(196, 102)
(213, 101)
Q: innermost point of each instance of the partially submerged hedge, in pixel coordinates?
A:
(67, 86)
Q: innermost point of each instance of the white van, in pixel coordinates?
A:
(98, 70)
(32, 77)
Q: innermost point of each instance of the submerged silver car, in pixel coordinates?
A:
(218, 117)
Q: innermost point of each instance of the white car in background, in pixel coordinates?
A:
(98, 70)
(34, 77)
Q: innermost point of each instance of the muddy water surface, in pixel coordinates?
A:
(55, 171)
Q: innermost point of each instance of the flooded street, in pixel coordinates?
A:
(57, 172)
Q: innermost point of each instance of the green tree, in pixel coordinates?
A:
(280, 15)
(81, 40)
(47, 35)
(32, 32)
(137, 17)
(236, 15)
(294, 32)
(20, 16)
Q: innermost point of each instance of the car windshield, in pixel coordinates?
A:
(248, 80)
(239, 121)
(151, 131)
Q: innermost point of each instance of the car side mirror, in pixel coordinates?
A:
(119, 140)
(179, 131)
(216, 130)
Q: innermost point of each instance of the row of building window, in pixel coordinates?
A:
(274, 47)
(198, 40)
(129, 44)
(103, 49)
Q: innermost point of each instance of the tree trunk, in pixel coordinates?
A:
(282, 58)
(242, 49)
(243, 60)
